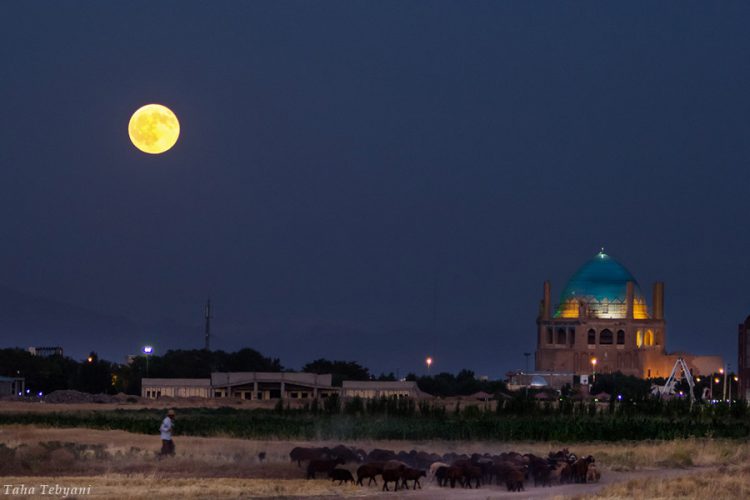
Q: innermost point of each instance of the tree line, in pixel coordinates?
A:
(95, 375)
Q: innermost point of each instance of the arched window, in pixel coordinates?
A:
(605, 337)
(620, 337)
(648, 340)
(592, 337)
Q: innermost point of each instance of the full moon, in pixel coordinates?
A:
(154, 129)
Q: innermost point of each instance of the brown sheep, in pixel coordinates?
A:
(593, 475)
(434, 467)
(441, 475)
(566, 473)
(369, 471)
(392, 475)
(514, 480)
(472, 472)
(556, 474)
(322, 465)
(580, 468)
(409, 474)
(454, 474)
(340, 475)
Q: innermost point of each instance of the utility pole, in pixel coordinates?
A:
(208, 325)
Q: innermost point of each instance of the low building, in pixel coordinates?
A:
(243, 385)
(155, 388)
(370, 389)
(12, 386)
(46, 352)
(271, 385)
(539, 380)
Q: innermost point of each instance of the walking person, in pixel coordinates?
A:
(167, 425)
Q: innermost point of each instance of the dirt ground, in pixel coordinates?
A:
(118, 464)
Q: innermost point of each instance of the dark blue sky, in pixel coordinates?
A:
(340, 161)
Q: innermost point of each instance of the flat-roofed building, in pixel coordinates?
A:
(243, 385)
(12, 386)
(370, 389)
(154, 388)
(271, 385)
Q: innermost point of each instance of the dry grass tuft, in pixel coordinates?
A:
(721, 483)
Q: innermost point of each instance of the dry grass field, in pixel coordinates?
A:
(118, 464)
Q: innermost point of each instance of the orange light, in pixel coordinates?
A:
(698, 379)
(428, 361)
(716, 380)
(721, 370)
(593, 361)
(91, 360)
(736, 378)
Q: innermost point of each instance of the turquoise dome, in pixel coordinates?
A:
(602, 284)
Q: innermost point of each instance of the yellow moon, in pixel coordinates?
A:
(154, 129)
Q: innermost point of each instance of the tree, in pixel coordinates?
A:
(341, 370)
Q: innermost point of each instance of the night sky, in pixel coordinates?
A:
(372, 181)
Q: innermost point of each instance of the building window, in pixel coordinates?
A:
(572, 335)
(605, 337)
(620, 337)
(592, 337)
(648, 340)
(639, 338)
(561, 335)
(550, 340)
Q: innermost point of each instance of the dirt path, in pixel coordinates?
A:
(114, 486)
(432, 491)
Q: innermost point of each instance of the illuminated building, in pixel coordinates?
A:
(603, 315)
(744, 359)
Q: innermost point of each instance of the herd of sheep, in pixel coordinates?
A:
(510, 469)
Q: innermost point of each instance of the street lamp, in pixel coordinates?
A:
(593, 365)
(736, 379)
(428, 361)
(713, 381)
(147, 350)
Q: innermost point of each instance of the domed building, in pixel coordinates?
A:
(603, 323)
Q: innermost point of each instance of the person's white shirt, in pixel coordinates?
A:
(166, 428)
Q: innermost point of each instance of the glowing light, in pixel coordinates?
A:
(154, 129)
(721, 370)
(736, 378)
(593, 362)
(148, 349)
(698, 379)
(90, 359)
(648, 340)
(716, 380)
